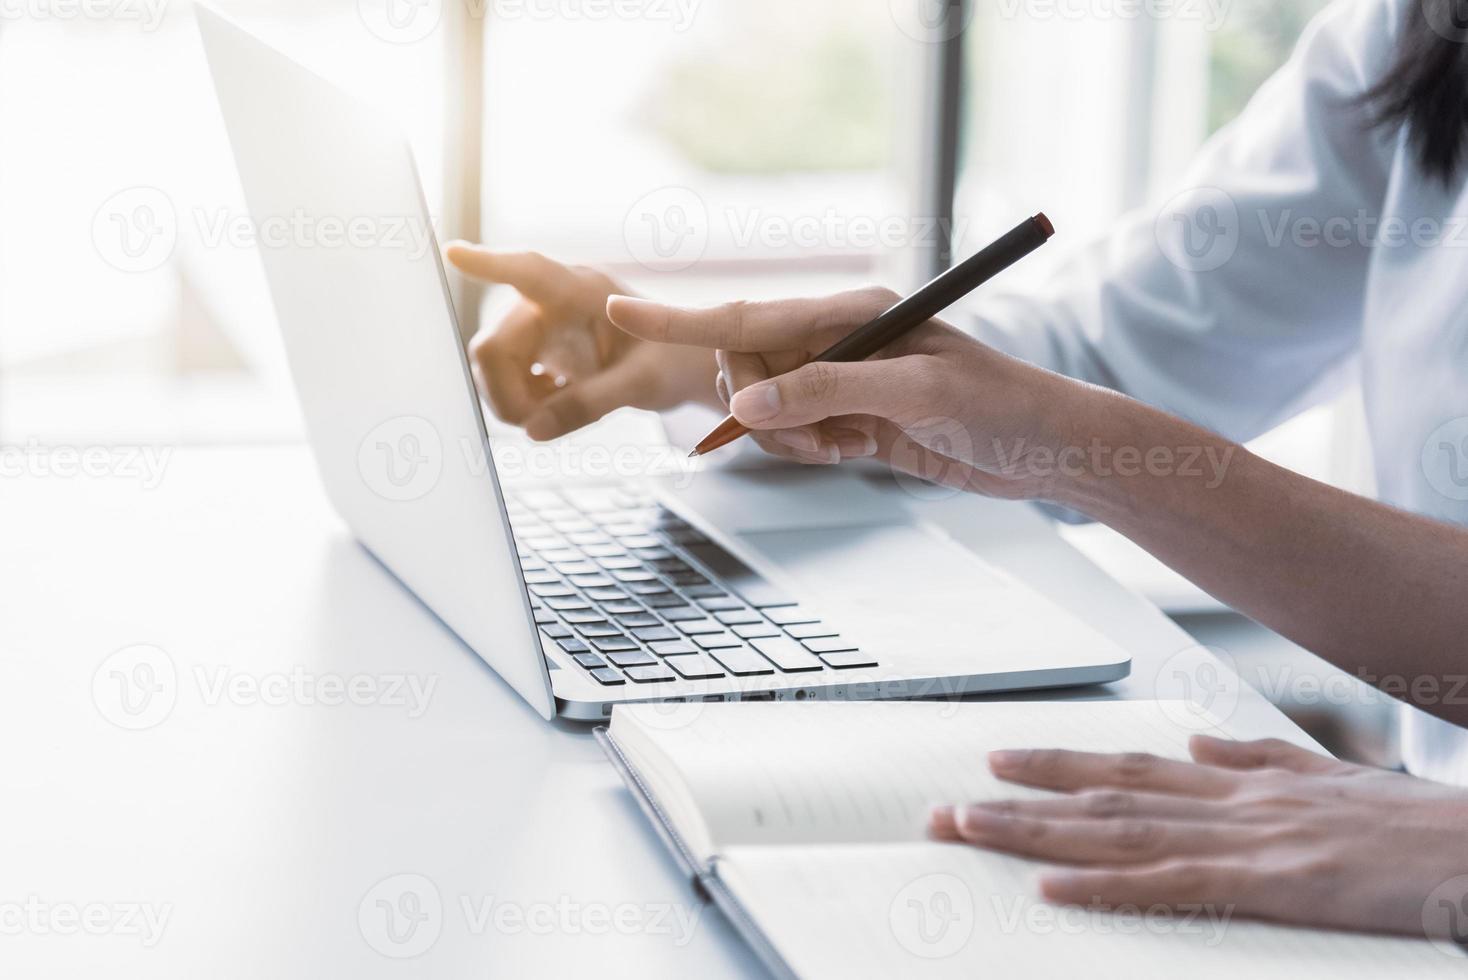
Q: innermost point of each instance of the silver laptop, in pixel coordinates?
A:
(583, 595)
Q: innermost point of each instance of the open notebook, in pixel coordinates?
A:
(805, 824)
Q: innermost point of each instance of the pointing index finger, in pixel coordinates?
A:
(788, 324)
(539, 278)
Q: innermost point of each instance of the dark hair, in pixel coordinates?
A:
(1426, 88)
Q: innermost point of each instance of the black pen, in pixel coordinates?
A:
(917, 309)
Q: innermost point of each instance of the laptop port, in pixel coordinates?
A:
(761, 696)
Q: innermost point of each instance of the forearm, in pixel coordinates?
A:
(1376, 591)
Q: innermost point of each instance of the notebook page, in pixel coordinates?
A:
(935, 911)
(848, 772)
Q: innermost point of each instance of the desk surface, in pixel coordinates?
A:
(314, 734)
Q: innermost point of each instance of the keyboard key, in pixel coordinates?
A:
(707, 591)
(791, 615)
(607, 676)
(573, 645)
(577, 568)
(544, 542)
(556, 631)
(625, 608)
(536, 499)
(647, 588)
(808, 631)
(554, 514)
(599, 628)
(640, 541)
(740, 617)
(680, 611)
(630, 658)
(606, 595)
(847, 659)
(694, 666)
(638, 619)
(712, 641)
(650, 675)
(552, 591)
(751, 630)
(686, 535)
(634, 575)
(742, 661)
(554, 555)
(590, 498)
(721, 604)
(787, 654)
(652, 554)
(627, 530)
(611, 644)
(583, 615)
(665, 600)
(649, 634)
(568, 603)
(585, 538)
(672, 648)
(689, 578)
(600, 551)
(748, 584)
(591, 581)
(543, 615)
(617, 562)
(828, 644)
(693, 626)
(540, 578)
(590, 660)
(574, 525)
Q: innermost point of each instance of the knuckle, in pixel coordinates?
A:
(1138, 836)
(1132, 767)
(735, 319)
(1108, 803)
(817, 381)
(876, 294)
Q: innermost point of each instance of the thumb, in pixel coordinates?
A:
(584, 401)
(896, 388)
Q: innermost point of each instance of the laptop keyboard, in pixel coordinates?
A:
(633, 593)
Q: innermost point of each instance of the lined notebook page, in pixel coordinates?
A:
(853, 772)
(944, 911)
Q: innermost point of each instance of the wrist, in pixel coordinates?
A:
(1119, 457)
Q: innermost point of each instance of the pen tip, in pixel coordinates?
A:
(693, 454)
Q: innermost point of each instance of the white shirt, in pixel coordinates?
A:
(1307, 252)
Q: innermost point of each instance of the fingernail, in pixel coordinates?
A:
(976, 819)
(856, 445)
(942, 820)
(619, 307)
(1007, 759)
(802, 439)
(756, 403)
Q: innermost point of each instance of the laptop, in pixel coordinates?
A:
(584, 594)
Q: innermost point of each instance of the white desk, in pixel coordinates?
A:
(260, 828)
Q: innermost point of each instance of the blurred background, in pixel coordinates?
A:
(702, 149)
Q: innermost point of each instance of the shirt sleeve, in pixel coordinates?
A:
(1237, 300)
